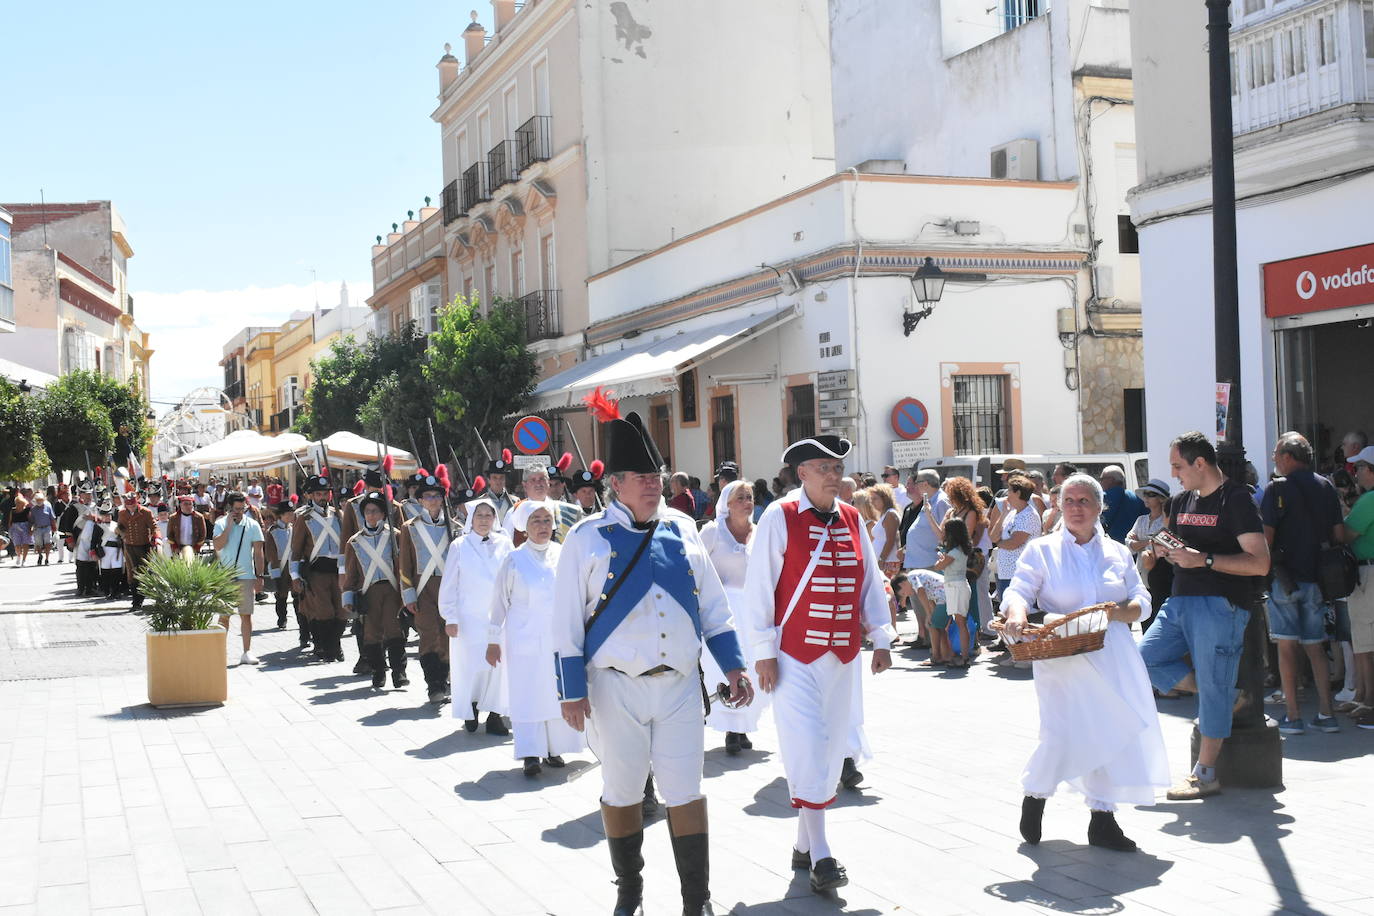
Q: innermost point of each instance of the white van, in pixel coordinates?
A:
(982, 469)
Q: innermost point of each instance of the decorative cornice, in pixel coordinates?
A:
(829, 264)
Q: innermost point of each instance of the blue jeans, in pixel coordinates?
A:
(1298, 615)
(1210, 629)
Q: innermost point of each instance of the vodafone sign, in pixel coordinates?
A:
(1319, 282)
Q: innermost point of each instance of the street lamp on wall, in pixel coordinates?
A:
(928, 283)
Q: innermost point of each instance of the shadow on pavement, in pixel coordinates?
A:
(799, 898)
(146, 711)
(456, 742)
(500, 783)
(579, 833)
(402, 714)
(335, 680)
(340, 696)
(285, 658)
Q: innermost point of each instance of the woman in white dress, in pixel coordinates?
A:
(1099, 730)
(465, 603)
(727, 543)
(522, 618)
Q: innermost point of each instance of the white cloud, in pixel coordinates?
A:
(188, 330)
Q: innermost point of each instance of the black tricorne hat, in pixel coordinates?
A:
(314, 483)
(823, 446)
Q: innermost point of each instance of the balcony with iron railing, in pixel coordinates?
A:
(451, 202)
(501, 168)
(476, 187)
(233, 391)
(533, 141)
(1292, 59)
(543, 317)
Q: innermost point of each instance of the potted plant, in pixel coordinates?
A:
(186, 661)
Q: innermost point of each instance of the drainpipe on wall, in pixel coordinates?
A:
(860, 412)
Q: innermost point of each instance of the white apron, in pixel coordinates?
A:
(522, 619)
(472, 679)
(731, 560)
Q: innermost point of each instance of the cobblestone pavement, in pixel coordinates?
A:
(308, 792)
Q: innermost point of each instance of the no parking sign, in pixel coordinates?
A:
(531, 435)
(910, 419)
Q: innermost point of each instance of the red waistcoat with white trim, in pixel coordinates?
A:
(826, 618)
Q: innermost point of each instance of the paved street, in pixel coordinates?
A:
(307, 792)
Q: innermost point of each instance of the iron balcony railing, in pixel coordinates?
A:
(501, 164)
(543, 318)
(533, 141)
(475, 186)
(282, 420)
(233, 391)
(450, 198)
(1314, 57)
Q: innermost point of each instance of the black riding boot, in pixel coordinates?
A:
(435, 672)
(1103, 830)
(396, 659)
(1032, 813)
(336, 642)
(687, 825)
(364, 660)
(626, 859)
(650, 804)
(377, 660)
(307, 632)
(319, 635)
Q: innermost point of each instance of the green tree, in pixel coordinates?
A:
(123, 403)
(73, 426)
(480, 370)
(356, 386)
(19, 443)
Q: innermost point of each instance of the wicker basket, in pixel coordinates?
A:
(1048, 641)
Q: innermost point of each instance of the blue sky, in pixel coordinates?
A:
(243, 144)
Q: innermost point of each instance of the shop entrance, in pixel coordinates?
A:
(1324, 383)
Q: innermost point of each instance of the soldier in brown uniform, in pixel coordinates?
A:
(138, 527)
(316, 562)
(371, 588)
(187, 527)
(424, 543)
(350, 521)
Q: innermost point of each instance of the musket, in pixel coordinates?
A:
(434, 445)
(386, 496)
(467, 481)
(415, 449)
(482, 442)
(596, 496)
(324, 463)
(89, 476)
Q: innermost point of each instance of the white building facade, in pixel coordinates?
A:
(1303, 74)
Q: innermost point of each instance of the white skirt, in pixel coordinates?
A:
(722, 718)
(474, 681)
(1099, 728)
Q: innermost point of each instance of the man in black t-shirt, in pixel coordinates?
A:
(1214, 588)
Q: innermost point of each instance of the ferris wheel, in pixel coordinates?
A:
(203, 417)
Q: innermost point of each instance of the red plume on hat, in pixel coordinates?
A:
(388, 463)
(506, 456)
(601, 406)
(479, 483)
(597, 468)
(564, 463)
(295, 498)
(441, 474)
(358, 488)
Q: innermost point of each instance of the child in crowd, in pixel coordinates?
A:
(929, 589)
(953, 563)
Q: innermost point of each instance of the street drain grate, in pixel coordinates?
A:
(70, 644)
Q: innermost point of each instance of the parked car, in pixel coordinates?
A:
(981, 469)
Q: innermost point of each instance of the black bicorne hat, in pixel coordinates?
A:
(631, 448)
(426, 483)
(373, 478)
(372, 499)
(501, 464)
(823, 446)
(316, 482)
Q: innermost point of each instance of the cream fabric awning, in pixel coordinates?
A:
(652, 368)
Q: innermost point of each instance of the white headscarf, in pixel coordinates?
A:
(471, 507)
(521, 513)
(723, 503)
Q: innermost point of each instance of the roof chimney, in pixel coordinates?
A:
(503, 12)
(448, 68)
(474, 38)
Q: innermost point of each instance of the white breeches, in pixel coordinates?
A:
(812, 706)
(550, 738)
(637, 722)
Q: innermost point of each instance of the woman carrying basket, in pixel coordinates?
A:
(1099, 730)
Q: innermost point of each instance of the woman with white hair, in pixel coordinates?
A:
(1099, 730)
(727, 540)
(465, 604)
(522, 619)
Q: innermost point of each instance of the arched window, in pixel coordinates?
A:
(114, 363)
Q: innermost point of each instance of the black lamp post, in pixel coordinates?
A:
(928, 283)
(1252, 756)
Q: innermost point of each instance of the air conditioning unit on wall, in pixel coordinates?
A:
(1018, 160)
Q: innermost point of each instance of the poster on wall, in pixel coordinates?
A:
(906, 453)
(1223, 409)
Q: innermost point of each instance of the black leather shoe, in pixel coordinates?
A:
(850, 777)
(828, 875)
(555, 761)
(1032, 812)
(744, 742)
(1104, 831)
(801, 861)
(436, 696)
(471, 724)
(532, 767)
(495, 726)
(732, 745)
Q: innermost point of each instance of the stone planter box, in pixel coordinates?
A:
(187, 668)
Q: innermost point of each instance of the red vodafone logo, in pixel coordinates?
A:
(1319, 282)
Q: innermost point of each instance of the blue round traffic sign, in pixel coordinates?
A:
(910, 419)
(531, 435)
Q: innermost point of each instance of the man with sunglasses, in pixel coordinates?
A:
(893, 478)
(813, 593)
